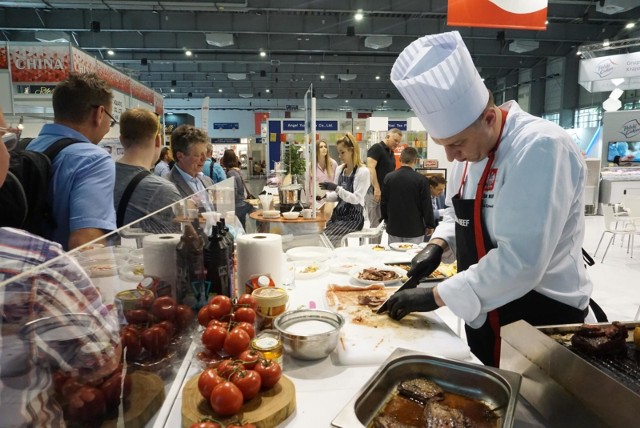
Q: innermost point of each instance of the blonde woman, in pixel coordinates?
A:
(349, 187)
(325, 170)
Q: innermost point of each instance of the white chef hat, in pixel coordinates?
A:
(437, 77)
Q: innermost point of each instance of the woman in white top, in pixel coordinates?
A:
(348, 188)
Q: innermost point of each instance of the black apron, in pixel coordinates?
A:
(346, 217)
(473, 243)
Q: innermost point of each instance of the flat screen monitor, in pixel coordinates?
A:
(629, 151)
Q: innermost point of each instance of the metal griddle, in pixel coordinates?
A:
(568, 387)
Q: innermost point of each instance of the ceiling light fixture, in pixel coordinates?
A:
(359, 15)
(377, 77)
(263, 54)
(110, 52)
(322, 76)
(219, 90)
(173, 90)
(630, 25)
(606, 43)
(188, 53)
(346, 101)
(268, 91)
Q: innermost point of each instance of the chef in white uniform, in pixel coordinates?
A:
(516, 217)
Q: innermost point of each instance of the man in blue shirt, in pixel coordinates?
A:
(81, 191)
(211, 168)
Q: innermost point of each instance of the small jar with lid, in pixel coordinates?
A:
(269, 344)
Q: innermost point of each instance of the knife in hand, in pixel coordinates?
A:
(410, 283)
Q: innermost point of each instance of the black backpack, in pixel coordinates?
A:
(23, 196)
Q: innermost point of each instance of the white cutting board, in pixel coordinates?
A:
(360, 345)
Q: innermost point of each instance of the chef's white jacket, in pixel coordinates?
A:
(534, 216)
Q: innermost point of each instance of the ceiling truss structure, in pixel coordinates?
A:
(301, 40)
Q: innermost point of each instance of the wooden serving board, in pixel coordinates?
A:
(147, 395)
(266, 410)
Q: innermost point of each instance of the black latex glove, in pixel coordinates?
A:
(415, 300)
(426, 261)
(328, 185)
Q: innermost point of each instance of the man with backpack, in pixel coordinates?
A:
(83, 174)
(138, 192)
(211, 168)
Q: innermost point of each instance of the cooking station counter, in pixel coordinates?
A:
(324, 387)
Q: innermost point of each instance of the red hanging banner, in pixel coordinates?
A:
(519, 14)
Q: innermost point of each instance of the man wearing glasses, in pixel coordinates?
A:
(83, 173)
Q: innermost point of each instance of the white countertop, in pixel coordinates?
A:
(325, 379)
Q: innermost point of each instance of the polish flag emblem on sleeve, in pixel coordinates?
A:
(519, 14)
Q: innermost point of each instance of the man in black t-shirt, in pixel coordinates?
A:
(380, 161)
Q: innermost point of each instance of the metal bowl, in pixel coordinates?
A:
(309, 334)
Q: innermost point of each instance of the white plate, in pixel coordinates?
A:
(317, 254)
(404, 246)
(343, 266)
(375, 248)
(300, 267)
(401, 273)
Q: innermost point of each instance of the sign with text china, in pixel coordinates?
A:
(520, 14)
(42, 64)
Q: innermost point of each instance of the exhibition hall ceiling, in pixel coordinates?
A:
(277, 48)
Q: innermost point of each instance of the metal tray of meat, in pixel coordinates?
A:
(496, 388)
(607, 387)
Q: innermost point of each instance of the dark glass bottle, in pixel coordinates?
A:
(190, 284)
(228, 237)
(215, 260)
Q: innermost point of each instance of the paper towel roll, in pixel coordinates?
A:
(159, 254)
(258, 253)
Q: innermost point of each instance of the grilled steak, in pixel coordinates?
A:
(438, 415)
(386, 421)
(421, 390)
(373, 274)
(600, 340)
(371, 301)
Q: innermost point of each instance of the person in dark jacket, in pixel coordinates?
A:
(406, 202)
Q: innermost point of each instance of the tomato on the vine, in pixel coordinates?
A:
(247, 300)
(208, 380)
(250, 358)
(206, 423)
(155, 340)
(214, 337)
(131, 344)
(244, 315)
(164, 308)
(251, 331)
(226, 399)
(184, 317)
(114, 387)
(222, 324)
(249, 383)
(203, 316)
(137, 316)
(87, 404)
(237, 341)
(168, 326)
(227, 367)
(220, 307)
(269, 372)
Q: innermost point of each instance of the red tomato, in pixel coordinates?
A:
(59, 379)
(146, 301)
(137, 316)
(250, 358)
(130, 343)
(184, 317)
(168, 326)
(245, 315)
(87, 404)
(248, 382)
(237, 341)
(222, 324)
(214, 337)
(208, 380)
(248, 328)
(247, 300)
(226, 399)
(220, 307)
(205, 423)
(203, 316)
(269, 372)
(70, 387)
(228, 367)
(164, 308)
(113, 387)
(155, 340)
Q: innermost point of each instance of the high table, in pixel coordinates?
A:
(282, 226)
(323, 387)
